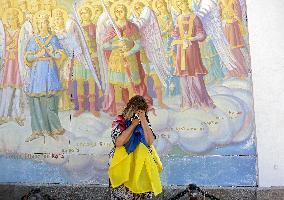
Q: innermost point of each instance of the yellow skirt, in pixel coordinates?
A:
(138, 171)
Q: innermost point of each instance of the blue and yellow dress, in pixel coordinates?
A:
(134, 169)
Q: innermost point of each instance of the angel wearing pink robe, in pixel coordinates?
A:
(10, 80)
(231, 15)
(189, 67)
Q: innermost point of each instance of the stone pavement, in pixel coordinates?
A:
(96, 192)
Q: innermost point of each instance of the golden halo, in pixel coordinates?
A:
(31, 4)
(88, 7)
(59, 11)
(39, 15)
(117, 3)
(13, 12)
(154, 5)
(97, 3)
(146, 3)
(174, 3)
(18, 2)
(53, 3)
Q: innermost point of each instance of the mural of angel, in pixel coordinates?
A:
(166, 23)
(43, 56)
(122, 46)
(231, 14)
(11, 102)
(71, 39)
(189, 67)
(153, 55)
(59, 20)
(82, 74)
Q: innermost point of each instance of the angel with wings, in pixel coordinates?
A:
(153, 54)
(166, 23)
(188, 33)
(43, 56)
(77, 67)
(11, 101)
(209, 54)
(232, 17)
(84, 75)
(122, 45)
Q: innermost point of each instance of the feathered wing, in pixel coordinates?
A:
(245, 51)
(81, 51)
(209, 14)
(102, 26)
(2, 46)
(152, 42)
(174, 14)
(24, 37)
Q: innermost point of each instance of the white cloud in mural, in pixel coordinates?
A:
(193, 131)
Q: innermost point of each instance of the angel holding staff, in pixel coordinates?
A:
(122, 47)
(43, 56)
(10, 80)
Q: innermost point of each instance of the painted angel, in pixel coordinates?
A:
(85, 18)
(42, 56)
(78, 66)
(153, 55)
(209, 54)
(122, 45)
(210, 13)
(232, 18)
(188, 33)
(166, 24)
(11, 102)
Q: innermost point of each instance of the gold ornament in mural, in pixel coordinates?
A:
(188, 58)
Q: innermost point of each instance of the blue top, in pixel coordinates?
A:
(43, 76)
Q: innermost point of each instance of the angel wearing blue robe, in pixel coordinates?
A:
(43, 56)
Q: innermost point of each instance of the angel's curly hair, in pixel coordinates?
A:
(135, 103)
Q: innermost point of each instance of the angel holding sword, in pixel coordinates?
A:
(189, 67)
(122, 47)
(86, 14)
(10, 80)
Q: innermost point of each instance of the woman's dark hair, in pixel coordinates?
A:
(135, 103)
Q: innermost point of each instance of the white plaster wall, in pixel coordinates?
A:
(266, 29)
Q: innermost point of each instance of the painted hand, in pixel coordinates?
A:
(49, 50)
(40, 53)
